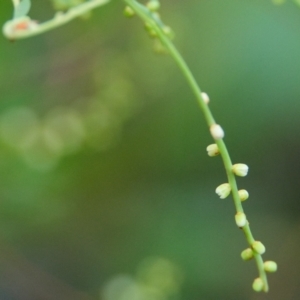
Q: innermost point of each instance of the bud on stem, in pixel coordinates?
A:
(240, 219)
(270, 266)
(258, 285)
(217, 131)
(259, 247)
(223, 190)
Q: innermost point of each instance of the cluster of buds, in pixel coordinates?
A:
(224, 189)
(153, 6)
(257, 248)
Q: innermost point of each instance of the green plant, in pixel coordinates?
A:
(21, 26)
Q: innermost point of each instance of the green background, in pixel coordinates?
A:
(106, 190)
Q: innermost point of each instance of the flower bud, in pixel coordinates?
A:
(223, 190)
(240, 169)
(205, 97)
(259, 247)
(212, 150)
(129, 12)
(153, 5)
(151, 31)
(169, 32)
(258, 285)
(216, 131)
(240, 219)
(243, 194)
(270, 266)
(247, 254)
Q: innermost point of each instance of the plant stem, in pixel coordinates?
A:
(58, 20)
(150, 18)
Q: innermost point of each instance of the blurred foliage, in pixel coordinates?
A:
(103, 160)
(65, 4)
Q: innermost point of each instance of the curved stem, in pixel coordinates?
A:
(12, 32)
(157, 25)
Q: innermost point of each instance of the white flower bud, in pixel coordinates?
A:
(216, 131)
(240, 219)
(258, 285)
(243, 194)
(129, 12)
(205, 97)
(259, 247)
(240, 169)
(153, 5)
(270, 266)
(223, 190)
(247, 254)
(212, 150)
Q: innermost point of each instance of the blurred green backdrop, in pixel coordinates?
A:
(106, 188)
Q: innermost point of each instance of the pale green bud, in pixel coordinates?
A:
(259, 247)
(169, 32)
(129, 12)
(247, 254)
(240, 219)
(243, 194)
(240, 169)
(217, 131)
(212, 150)
(205, 97)
(150, 30)
(258, 285)
(270, 266)
(223, 190)
(153, 5)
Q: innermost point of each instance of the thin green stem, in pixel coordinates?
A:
(157, 25)
(12, 32)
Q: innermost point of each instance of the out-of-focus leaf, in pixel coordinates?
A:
(22, 9)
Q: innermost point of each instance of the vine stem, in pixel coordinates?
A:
(59, 19)
(156, 24)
